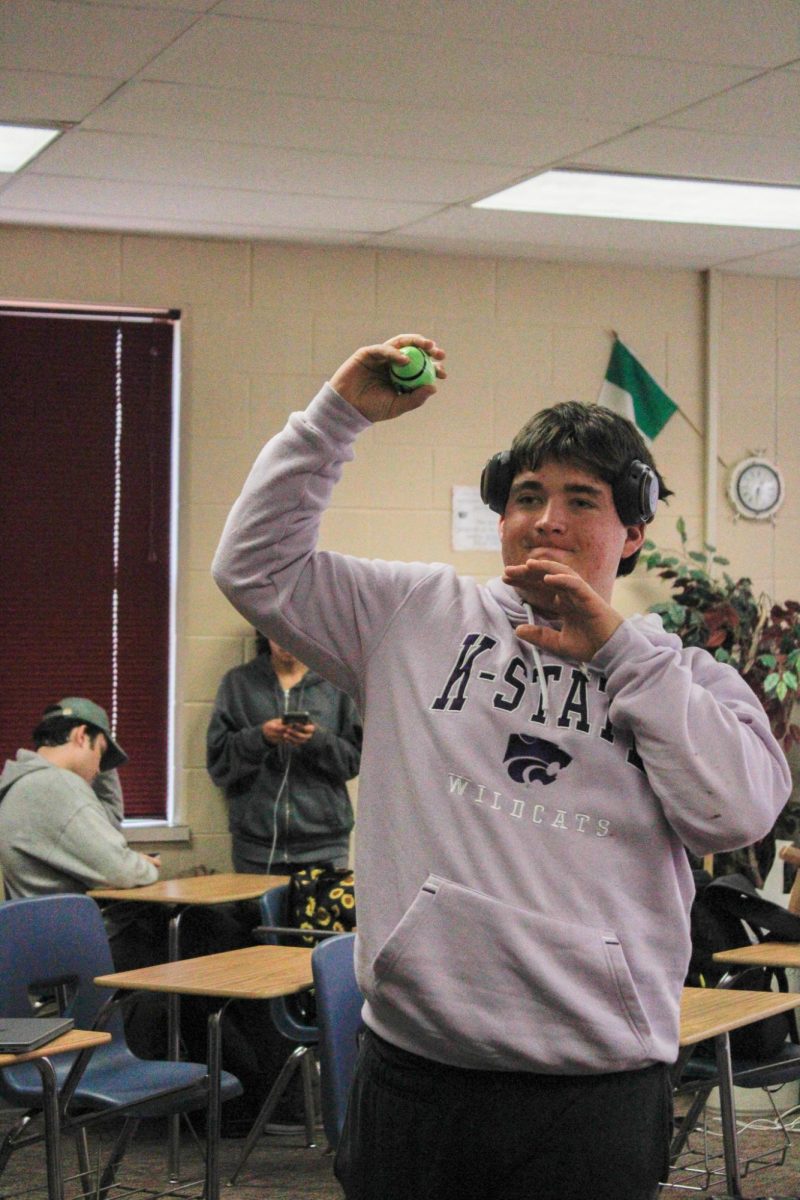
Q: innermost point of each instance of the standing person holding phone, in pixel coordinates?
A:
(282, 743)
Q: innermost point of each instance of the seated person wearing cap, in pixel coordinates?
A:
(56, 833)
(61, 831)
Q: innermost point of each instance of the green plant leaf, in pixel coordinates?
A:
(767, 660)
(771, 682)
(698, 556)
(790, 679)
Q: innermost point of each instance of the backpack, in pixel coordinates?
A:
(728, 913)
(320, 898)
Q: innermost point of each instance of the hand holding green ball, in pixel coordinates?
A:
(419, 371)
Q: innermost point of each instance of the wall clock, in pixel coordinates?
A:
(756, 488)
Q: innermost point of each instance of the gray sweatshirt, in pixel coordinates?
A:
(57, 836)
(522, 885)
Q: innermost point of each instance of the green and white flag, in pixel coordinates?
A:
(633, 393)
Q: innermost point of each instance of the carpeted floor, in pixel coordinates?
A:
(281, 1167)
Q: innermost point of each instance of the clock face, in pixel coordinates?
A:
(756, 488)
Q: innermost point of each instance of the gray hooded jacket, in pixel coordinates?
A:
(56, 836)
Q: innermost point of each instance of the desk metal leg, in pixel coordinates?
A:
(52, 1128)
(730, 1142)
(213, 1120)
(174, 1049)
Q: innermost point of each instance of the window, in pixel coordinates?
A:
(87, 503)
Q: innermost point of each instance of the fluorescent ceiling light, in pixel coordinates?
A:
(20, 143)
(652, 198)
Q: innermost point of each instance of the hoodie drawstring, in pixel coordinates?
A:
(537, 659)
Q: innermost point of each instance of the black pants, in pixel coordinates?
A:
(418, 1130)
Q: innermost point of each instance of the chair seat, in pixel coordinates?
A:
(117, 1077)
(783, 1067)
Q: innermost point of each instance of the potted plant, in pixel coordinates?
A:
(758, 637)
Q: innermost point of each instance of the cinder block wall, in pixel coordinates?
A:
(264, 324)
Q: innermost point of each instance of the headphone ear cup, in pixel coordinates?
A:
(496, 479)
(636, 493)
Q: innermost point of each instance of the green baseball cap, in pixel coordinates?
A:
(86, 710)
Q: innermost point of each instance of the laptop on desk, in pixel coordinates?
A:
(18, 1035)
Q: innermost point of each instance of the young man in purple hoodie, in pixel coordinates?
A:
(533, 767)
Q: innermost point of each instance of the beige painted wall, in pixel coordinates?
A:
(264, 324)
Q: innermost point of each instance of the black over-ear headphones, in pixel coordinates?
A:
(635, 490)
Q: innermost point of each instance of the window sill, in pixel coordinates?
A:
(155, 831)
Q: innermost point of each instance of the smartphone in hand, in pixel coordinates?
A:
(296, 718)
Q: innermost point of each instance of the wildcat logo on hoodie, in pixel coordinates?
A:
(534, 760)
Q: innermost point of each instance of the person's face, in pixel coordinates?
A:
(88, 755)
(282, 660)
(560, 511)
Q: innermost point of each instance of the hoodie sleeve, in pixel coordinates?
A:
(108, 789)
(234, 753)
(85, 846)
(702, 735)
(336, 753)
(91, 850)
(328, 608)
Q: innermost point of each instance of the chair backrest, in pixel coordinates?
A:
(339, 1003)
(53, 944)
(274, 906)
(54, 941)
(287, 1014)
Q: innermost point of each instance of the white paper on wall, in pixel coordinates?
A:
(474, 525)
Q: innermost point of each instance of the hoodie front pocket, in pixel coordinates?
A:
(468, 978)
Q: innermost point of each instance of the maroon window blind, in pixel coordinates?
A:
(85, 486)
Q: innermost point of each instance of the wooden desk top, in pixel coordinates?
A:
(196, 889)
(76, 1039)
(252, 973)
(706, 1012)
(763, 954)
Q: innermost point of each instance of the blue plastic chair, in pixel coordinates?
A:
(339, 1003)
(289, 1021)
(59, 943)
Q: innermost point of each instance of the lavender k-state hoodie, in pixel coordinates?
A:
(522, 886)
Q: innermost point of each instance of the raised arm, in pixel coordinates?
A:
(267, 563)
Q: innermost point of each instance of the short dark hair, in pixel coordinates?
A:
(56, 731)
(592, 437)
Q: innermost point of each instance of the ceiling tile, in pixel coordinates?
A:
(349, 126)
(262, 168)
(75, 39)
(105, 198)
(406, 69)
(768, 106)
(714, 31)
(656, 150)
(44, 96)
